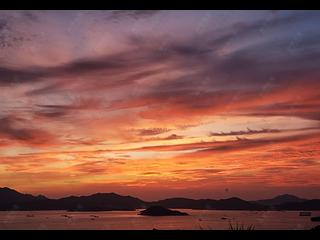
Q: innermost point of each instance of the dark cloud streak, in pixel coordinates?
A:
(10, 130)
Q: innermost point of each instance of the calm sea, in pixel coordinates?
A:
(125, 220)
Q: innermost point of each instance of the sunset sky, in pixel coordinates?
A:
(157, 104)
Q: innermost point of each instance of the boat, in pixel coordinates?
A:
(315, 219)
(305, 214)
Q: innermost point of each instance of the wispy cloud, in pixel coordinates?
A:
(152, 131)
(10, 129)
(199, 97)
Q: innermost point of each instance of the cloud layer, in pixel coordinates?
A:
(141, 100)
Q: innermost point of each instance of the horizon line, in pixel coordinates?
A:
(288, 194)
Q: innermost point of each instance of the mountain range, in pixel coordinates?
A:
(13, 200)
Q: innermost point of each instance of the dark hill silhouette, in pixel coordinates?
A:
(177, 203)
(161, 211)
(13, 200)
(8, 194)
(101, 202)
(281, 199)
(308, 205)
(223, 204)
(238, 204)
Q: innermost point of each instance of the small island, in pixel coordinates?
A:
(161, 211)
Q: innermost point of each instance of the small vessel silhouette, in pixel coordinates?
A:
(305, 213)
